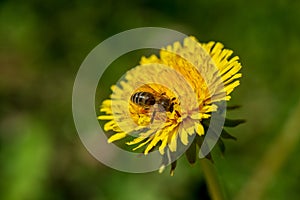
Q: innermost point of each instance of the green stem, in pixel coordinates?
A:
(212, 181)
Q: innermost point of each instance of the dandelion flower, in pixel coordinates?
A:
(191, 77)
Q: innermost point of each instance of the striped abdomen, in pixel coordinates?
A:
(145, 99)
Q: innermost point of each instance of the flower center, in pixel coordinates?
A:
(152, 104)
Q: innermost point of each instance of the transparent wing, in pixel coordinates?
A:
(148, 87)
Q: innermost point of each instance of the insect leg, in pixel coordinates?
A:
(153, 115)
(171, 107)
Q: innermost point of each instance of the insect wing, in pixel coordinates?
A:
(144, 87)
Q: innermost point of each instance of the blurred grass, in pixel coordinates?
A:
(26, 160)
(42, 47)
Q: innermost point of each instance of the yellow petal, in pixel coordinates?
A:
(161, 169)
(140, 138)
(236, 76)
(209, 108)
(173, 143)
(229, 88)
(196, 116)
(190, 130)
(199, 129)
(113, 87)
(205, 116)
(106, 110)
(142, 144)
(156, 138)
(106, 117)
(106, 102)
(109, 125)
(184, 136)
(163, 145)
(136, 140)
(233, 69)
(116, 137)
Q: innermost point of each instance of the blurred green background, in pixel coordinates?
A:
(42, 45)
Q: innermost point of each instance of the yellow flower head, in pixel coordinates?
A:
(164, 100)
